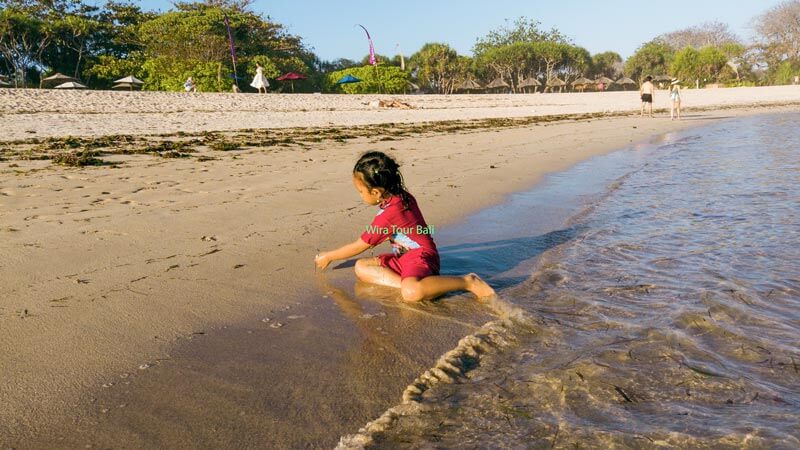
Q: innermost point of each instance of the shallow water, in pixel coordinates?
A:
(667, 314)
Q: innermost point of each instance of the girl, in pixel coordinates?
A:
(675, 98)
(260, 81)
(413, 265)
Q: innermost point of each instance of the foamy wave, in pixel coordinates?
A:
(451, 367)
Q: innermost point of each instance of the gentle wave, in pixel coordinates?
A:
(670, 317)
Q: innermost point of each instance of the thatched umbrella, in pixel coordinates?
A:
(58, 78)
(4, 84)
(530, 82)
(71, 85)
(470, 85)
(555, 82)
(581, 83)
(604, 80)
(129, 86)
(625, 81)
(497, 83)
(131, 80)
(662, 78)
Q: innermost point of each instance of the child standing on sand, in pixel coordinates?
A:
(413, 265)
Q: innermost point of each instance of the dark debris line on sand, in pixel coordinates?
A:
(86, 151)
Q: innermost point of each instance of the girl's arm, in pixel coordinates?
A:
(346, 251)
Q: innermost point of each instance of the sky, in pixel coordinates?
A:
(329, 28)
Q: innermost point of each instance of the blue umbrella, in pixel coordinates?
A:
(348, 79)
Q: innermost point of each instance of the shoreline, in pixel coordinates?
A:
(208, 228)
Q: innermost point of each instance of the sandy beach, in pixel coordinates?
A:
(111, 274)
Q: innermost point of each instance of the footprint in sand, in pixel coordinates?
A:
(276, 325)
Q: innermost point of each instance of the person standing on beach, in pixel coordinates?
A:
(413, 265)
(646, 93)
(675, 98)
(189, 85)
(260, 81)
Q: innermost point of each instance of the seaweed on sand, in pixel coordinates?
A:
(79, 158)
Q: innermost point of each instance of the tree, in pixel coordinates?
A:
(608, 64)
(374, 79)
(521, 30)
(652, 58)
(714, 34)
(778, 37)
(193, 41)
(436, 67)
(687, 65)
(779, 30)
(25, 35)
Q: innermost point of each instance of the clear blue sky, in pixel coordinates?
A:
(328, 26)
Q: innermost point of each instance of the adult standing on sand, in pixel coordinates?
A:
(646, 93)
(260, 81)
(675, 98)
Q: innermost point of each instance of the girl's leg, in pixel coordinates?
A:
(369, 270)
(679, 110)
(414, 289)
(672, 112)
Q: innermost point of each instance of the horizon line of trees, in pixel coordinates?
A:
(99, 44)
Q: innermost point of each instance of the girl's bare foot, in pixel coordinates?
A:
(477, 286)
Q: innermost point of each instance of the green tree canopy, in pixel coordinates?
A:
(374, 79)
(608, 64)
(437, 67)
(652, 58)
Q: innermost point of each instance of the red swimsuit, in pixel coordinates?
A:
(413, 252)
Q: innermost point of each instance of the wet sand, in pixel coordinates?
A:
(113, 275)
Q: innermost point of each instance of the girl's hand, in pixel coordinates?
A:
(322, 260)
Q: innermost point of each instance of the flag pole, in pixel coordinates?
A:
(233, 51)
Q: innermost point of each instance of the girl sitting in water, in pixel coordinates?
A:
(413, 265)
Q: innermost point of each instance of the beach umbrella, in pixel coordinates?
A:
(530, 82)
(555, 82)
(130, 79)
(348, 79)
(604, 80)
(470, 85)
(497, 83)
(582, 81)
(662, 78)
(130, 86)
(4, 84)
(58, 78)
(625, 81)
(527, 82)
(71, 85)
(291, 76)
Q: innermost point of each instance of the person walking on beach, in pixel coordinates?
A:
(413, 265)
(260, 81)
(675, 98)
(646, 93)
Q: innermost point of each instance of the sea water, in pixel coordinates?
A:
(666, 314)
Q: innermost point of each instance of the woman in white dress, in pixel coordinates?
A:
(260, 81)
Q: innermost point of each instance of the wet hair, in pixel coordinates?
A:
(649, 78)
(379, 170)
